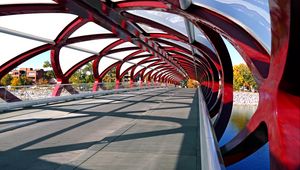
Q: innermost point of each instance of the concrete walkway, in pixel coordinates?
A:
(153, 129)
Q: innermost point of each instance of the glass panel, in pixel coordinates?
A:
(147, 70)
(183, 54)
(69, 57)
(147, 64)
(121, 55)
(153, 72)
(95, 45)
(143, 53)
(149, 29)
(254, 15)
(124, 45)
(11, 46)
(184, 45)
(172, 21)
(199, 37)
(160, 73)
(124, 67)
(88, 29)
(153, 67)
(6, 2)
(117, 0)
(47, 25)
(105, 63)
(137, 69)
(163, 73)
(138, 60)
(164, 45)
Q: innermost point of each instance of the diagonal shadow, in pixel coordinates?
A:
(18, 155)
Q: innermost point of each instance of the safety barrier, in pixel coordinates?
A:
(211, 158)
(45, 101)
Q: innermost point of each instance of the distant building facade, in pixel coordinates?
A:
(33, 74)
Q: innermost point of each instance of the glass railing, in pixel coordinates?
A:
(35, 92)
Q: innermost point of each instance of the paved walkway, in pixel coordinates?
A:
(153, 129)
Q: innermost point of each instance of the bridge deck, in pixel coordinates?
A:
(152, 129)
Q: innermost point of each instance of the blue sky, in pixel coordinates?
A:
(37, 62)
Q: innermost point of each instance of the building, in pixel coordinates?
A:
(34, 74)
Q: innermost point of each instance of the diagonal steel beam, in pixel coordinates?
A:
(108, 18)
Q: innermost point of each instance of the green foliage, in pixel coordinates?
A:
(183, 83)
(6, 80)
(242, 78)
(42, 81)
(25, 81)
(47, 64)
(110, 76)
(84, 75)
(50, 73)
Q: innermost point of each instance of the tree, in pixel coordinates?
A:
(47, 64)
(25, 81)
(15, 82)
(192, 83)
(6, 80)
(83, 75)
(42, 81)
(183, 83)
(110, 76)
(242, 78)
(75, 78)
(50, 73)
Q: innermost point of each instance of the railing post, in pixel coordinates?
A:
(117, 85)
(130, 84)
(95, 86)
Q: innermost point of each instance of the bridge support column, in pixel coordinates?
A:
(130, 83)
(117, 85)
(95, 86)
(60, 86)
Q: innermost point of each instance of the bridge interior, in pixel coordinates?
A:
(151, 129)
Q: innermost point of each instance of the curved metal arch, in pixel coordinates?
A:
(211, 98)
(102, 53)
(180, 38)
(146, 21)
(160, 66)
(251, 50)
(144, 75)
(128, 58)
(222, 114)
(132, 68)
(162, 77)
(133, 76)
(162, 71)
(59, 43)
(21, 58)
(116, 23)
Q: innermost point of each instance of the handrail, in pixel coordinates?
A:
(211, 158)
(30, 103)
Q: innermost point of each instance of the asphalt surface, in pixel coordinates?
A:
(150, 129)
